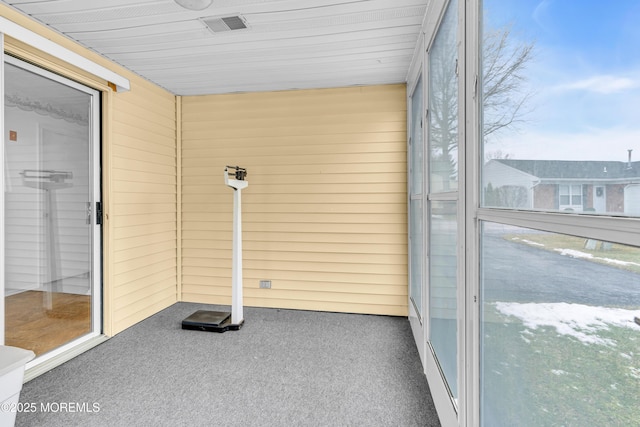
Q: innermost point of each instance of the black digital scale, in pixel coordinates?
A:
(210, 321)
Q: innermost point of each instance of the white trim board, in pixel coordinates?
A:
(39, 42)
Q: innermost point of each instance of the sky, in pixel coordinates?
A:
(584, 78)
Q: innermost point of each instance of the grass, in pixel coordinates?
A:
(550, 241)
(537, 377)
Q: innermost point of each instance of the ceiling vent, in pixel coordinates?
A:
(225, 24)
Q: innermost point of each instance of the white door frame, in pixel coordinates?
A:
(417, 320)
(96, 240)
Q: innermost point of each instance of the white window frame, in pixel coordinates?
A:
(417, 320)
(22, 34)
(571, 194)
(616, 229)
(450, 411)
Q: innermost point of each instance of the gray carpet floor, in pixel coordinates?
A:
(283, 368)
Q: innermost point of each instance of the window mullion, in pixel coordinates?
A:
(612, 229)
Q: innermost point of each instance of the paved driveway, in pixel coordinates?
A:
(521, 273)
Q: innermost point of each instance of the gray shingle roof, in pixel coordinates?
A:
(570, 169)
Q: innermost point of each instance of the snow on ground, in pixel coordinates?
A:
(577, 320)
(528, 242)
(578, 254)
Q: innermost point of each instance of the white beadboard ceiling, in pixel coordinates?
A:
(289, 44)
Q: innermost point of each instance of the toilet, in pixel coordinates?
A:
(12, 364)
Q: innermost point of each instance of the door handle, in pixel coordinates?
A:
(88, 219)
(98, 213)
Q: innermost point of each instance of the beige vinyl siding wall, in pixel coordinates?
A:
(324, 215)
(139, 184)
(144, 209)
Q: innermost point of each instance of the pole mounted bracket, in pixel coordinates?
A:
(234, 177)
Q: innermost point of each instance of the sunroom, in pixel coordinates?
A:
(370, 131)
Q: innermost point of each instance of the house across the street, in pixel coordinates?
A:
(563, 185)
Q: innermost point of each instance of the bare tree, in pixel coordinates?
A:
(443, 103)
(503, 91)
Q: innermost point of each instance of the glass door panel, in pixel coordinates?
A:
(50, 223)
(442, 200)
(416, 174)
(443, 289)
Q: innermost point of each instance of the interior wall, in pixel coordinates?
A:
(139, 183)
(324, 216)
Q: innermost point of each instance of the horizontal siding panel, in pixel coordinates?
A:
(346, 265)
(247, 207)
(308, 178)
(145, 251)
(382, 97)
(149, 258)
(138, 187)
(129, 152)
(302, 150)
(398, 157)
(314, 305)
(293, 285)
(144, 233)
(146, 240)
(135, 117)
(193, 201)
(139, 290)
(358, 188)
(298, 294)
(324, 215)
(327, 218)
(145, 198)
(212, 229)
(224, 272)
(275, 118)
(208, 131)
(302, 140)
(133, 220)
(144, 208)
(160, 275)
(306, 251)
(128, 135)
(143, 270)
(163, 112)
(156, 301)
(163, 164)
(299, 241)
(146, 177)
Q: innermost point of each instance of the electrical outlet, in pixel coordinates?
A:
(265, 284)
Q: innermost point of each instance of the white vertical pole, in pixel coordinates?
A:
(236, 273)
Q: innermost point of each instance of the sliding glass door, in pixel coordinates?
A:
(51, 201)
